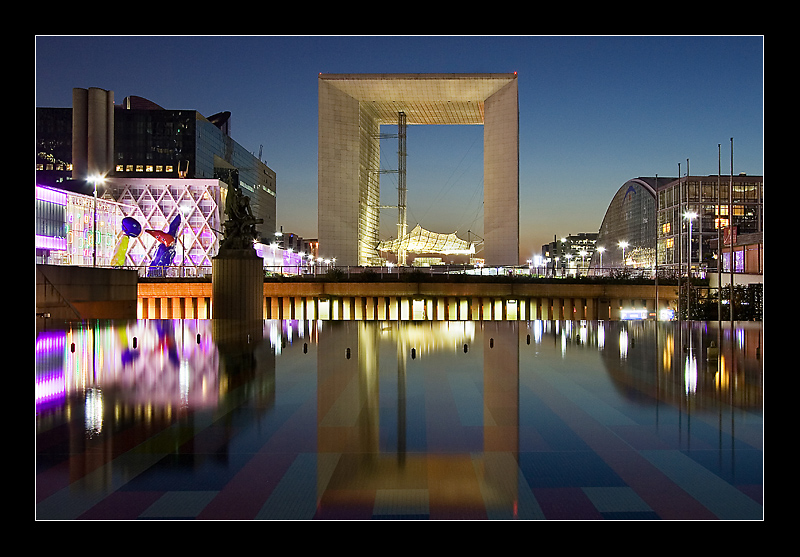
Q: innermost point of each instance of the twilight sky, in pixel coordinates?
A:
(595, 111)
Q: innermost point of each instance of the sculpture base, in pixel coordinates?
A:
(237, 285)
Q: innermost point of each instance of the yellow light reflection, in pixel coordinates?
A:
(722, 377)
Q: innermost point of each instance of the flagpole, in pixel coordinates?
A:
(730, 224)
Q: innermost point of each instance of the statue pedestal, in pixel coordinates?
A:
(237, 285)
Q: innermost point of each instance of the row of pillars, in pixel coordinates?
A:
(174, 308)
(396, 308)
(400, 308)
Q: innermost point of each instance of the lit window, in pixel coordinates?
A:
(118, 168)
(169, 168)
(149, 168)
(139, 168)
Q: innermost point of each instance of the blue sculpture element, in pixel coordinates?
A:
(131, 227)
(166, 249)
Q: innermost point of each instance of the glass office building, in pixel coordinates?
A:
(708, 200)
(152, 142)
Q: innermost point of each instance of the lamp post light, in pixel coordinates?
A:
(623, 244)
(690, 216)
(95, 178)
(600, 250)
(583, 253)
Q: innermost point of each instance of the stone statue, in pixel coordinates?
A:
(239, 229)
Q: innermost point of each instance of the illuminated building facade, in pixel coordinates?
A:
(567, 256)
(353, 107)
(708, 198)
(65, 228)
(651, 221)
(65, 223)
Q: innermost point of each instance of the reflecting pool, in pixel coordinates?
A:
(362, 420)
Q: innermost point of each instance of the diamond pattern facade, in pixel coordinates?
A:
(155, 203)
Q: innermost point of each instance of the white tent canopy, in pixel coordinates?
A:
(420, 240)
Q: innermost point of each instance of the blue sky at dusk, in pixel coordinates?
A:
(594, 112)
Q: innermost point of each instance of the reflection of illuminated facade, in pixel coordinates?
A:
(169, 365)
(357, 420)
(429, 471)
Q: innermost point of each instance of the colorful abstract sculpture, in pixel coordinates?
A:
(130, 229)
(166, 248)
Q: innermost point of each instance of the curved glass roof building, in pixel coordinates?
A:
(629, 228)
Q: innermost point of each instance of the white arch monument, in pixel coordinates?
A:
(352, 107)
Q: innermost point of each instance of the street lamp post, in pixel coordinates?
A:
(95, 178)
(623, 244)
(600, 250)
(690, 216)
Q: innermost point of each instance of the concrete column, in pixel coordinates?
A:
(616, 303)
(501, 176)
(581, 307)
(569, 314)
(591, 308)
(237, 285)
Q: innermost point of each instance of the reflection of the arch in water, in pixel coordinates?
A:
(394, 413)
(385, 437)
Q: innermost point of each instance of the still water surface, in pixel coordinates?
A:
(301, 420)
